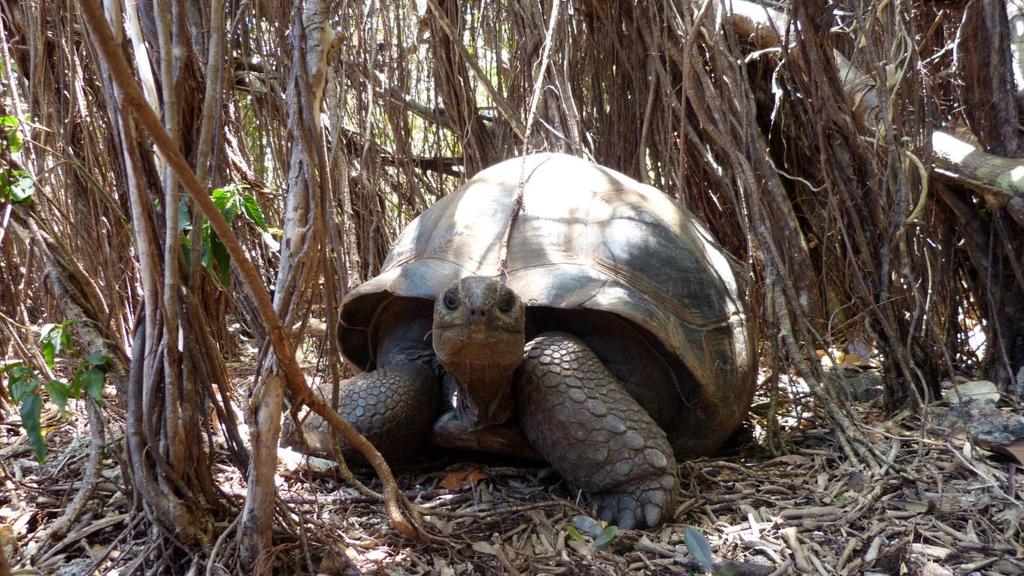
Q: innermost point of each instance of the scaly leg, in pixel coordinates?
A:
(393, 406)
(580, 418)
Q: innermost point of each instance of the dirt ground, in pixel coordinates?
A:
(928, 503)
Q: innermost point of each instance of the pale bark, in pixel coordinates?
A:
(1000, 179)
(299, 263)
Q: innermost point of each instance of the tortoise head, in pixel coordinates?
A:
(479, 333)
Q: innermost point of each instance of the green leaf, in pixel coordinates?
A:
(59, 393)
(9, 126)
(574, 534)
(23, 387)
(49, 350)
(23, 188)
(222, 197)
(215, 257)
(54, 339)
(16, 186)
(204, 248)
(227, 201)
(14, 142)
(91, 382)
(31, 409)
(221, 270)
(253, 212)
(17, 371)
(699, 548)
(606, 537)
(186, 250)
(587, 525)
(97, 359)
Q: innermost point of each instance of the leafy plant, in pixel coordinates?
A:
(602, 533)
(574, 534)
(16, 184)
(26, 386)
(54, 339)
(606, 537)
(231, 202)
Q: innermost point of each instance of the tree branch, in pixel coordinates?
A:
(481, 76)
(998, 178)
(296, 382)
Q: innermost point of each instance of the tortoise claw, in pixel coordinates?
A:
(638, 506)
(627, 518)
(652, 514)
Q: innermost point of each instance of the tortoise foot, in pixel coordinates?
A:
(643, 504)
(578, 416)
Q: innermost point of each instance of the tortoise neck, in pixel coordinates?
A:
(484, 392)
(482, 372)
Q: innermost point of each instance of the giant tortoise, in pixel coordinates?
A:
(555, 307)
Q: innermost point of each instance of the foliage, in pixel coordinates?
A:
(26, 385)
(585, 528)
(231, 202)
(16, 184)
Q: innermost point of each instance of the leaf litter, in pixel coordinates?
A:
(936, 504)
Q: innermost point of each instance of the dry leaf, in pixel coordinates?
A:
(8, 543)
(485, 548)
(874, 436)
(859, 347)
(1015, 449)
(375, 555)
(850, 360)
(462, 479)
(857, 363)
(932, 569)
(789, 460)
(855, 481)
(928, 550)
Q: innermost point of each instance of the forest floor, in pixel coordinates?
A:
(933, 504)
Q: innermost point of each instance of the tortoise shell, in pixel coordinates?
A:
(584, 238)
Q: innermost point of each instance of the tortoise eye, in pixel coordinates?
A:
(506, 302)
(451, 298)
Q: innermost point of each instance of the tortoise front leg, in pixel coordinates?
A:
(393, 406)
(581, 419)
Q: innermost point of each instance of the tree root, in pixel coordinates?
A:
(61, 525)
